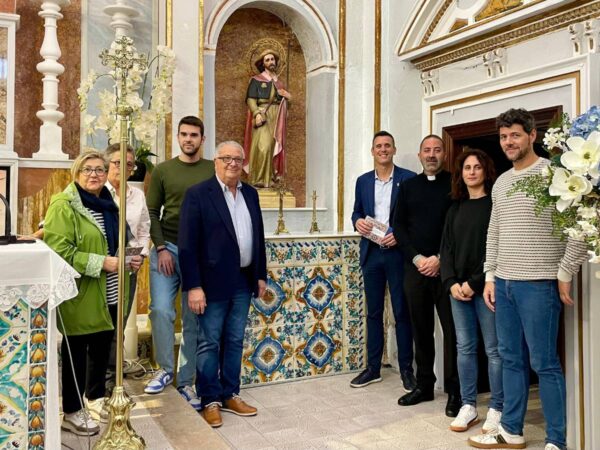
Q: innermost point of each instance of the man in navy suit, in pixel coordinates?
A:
(223, 263)
(382, 264)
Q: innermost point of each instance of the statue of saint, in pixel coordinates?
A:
(264, 138)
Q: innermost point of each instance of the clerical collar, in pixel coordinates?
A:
(431, 177)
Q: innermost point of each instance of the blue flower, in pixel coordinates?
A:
(583, 125)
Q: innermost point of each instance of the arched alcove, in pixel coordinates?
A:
(319, 47)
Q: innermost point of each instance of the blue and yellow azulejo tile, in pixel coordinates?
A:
(318, 348)
(318, 290)
(330, 251)
(14, 442)
(353, 280)
(268, 355)
(276, 305)
(307, 252)
(354, 358)
(351, 251)
(15, 317)
(13, 409)
(280, 253)
(354, 305)
(39, 317)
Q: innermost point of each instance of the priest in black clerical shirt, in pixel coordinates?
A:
(418, 224)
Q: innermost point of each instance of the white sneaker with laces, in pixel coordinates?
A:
(158, 382)
(466, 418)
(492, 421)
(80, 423)
(98, 410)
(551, 447)
(189, 394)
(497, 439)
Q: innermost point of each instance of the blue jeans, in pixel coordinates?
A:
(381, 267)
(468, 317)
(220, 345)
(163, 292)
(527, 316)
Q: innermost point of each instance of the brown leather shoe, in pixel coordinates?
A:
(212, 415)
(238, 406)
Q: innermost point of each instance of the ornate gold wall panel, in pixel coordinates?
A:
(495, 7)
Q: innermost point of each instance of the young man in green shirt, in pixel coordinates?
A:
(170, 180)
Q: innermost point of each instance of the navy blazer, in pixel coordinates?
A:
(209, 255)
(364, 201)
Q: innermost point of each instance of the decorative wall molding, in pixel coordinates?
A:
(430, 81)
(510, 35)
(495, 62)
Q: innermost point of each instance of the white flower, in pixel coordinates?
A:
(569, 187)
(587, 228)
(574, 233)
(88, 124)
(554, 138)
(586, 212)
(594, 258)
(545, 171)
(584, 157)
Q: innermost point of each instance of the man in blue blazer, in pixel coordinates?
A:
(223, 263)
(382, 264)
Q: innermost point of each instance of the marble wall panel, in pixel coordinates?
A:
(8, 6)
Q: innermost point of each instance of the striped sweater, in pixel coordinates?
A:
(521, 245)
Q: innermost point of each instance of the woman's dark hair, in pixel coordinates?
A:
(459, 188)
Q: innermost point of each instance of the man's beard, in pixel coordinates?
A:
(190, 152)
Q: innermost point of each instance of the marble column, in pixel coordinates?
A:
(50, 131)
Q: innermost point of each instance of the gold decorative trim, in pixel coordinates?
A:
(377, 84)
(493, 8)
(509, 35)
(576, 76)
(169, 117)
(412, 22)
(436, 20)
(341, 112)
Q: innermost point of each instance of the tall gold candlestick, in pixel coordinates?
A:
(314, 226)
(280, 222)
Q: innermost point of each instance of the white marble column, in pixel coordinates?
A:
(121, 15)
(50, 131)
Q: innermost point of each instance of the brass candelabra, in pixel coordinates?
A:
(119, 434)
(314, 226)
(281, 190)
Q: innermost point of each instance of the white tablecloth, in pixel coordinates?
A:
(35, 274)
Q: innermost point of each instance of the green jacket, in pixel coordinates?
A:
(72, 232)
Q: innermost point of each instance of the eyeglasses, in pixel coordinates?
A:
(230, 159)
(87, 171)
(130, 165)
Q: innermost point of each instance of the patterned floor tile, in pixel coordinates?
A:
(15, 317)
(277, 305)
(268, 355)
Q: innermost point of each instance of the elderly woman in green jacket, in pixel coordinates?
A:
(82, 226)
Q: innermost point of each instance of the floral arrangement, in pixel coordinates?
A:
(143, 122)
(570, 184)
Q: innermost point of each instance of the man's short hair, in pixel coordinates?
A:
(518, 116)
(429, 136)
(231, 144)
(192, 120)
(114, 148)
(383, 133)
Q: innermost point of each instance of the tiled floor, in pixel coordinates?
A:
(326, 413)
(320, 413)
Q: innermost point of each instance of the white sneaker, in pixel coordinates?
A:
(158, 382)
(466, 418)
(98, 409)
(497, 439)
(189, 394)
(551, 447)
(492, 421)
(80, 423)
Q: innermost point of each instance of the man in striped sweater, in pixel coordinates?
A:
(529, 272)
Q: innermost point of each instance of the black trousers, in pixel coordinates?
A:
(423, 295)
(89, 353)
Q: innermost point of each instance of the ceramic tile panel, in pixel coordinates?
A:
(353, 280)
(355, 333)
(268, 354)
(38, 350)
(355, 358)
(351, 251)
(36, 415)
(277, 305)
(13, 354)
(13, 409)
(39, 317)
(354, 305)
(280, 253)
(318, 292)
(318, 348)
(17, 441)
(36, 440)
(330, 251)
(15, 317)
(307, 252)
